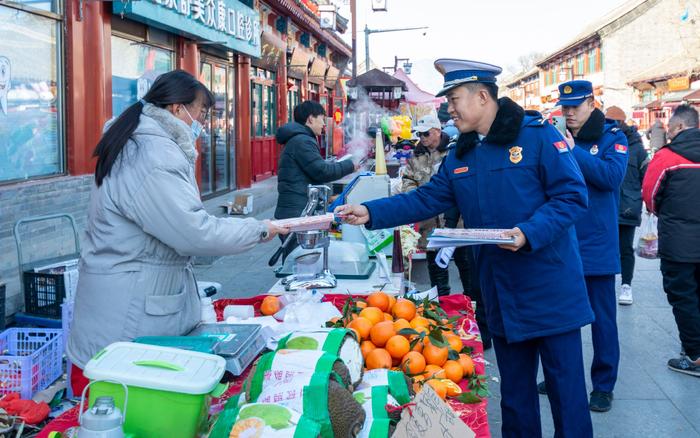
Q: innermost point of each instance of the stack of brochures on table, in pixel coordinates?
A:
(447, 237)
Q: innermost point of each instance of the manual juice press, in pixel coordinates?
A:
(303, 277)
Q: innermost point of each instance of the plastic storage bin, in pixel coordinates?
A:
(168, 388)
(43, 294)
(30, 360)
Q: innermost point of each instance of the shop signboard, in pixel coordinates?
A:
(679, 84)
(227, 22)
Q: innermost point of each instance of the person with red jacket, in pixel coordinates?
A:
(670, 191)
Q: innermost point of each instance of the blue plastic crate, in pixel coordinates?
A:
(31, 359)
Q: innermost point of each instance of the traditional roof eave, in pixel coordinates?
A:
(668, 68)
(594, 32)
(375, 79)
(520, 77)
(312, 24)
(587, 40)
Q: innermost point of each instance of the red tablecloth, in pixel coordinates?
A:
(474, 415)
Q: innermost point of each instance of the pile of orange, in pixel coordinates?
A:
(377, 323)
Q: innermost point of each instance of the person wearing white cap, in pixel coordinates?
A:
(427, 156)
(512, 170)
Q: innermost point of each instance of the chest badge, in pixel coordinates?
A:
(594, 149)
(459, 170)
(516, 154)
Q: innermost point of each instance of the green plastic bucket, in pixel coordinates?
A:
(154, 413)
(169, 389)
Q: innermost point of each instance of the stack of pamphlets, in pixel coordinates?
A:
(306, 223)
(449, 237)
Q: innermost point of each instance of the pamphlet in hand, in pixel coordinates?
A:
(446, 237)
(306, 223)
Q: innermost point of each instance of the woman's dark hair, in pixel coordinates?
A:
(175, 87)
(307, 109)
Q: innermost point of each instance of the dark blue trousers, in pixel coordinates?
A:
(606, 348)
(562, 363)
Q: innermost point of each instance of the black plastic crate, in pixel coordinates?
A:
(2, 306)
(44, 294)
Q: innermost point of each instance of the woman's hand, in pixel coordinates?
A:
(273, 230)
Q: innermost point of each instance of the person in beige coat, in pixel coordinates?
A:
(146, 221)
(426, 160)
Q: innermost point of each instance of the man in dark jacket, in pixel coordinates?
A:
(670, 191)
(600, 150)
(630, 215)
(301, 163)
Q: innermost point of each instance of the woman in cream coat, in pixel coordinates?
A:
(146, 221)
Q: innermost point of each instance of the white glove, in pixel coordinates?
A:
(443, 257)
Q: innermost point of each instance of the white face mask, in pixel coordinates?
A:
(196, 126)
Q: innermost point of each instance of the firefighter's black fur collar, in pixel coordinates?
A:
(593, 129)
(504, 129)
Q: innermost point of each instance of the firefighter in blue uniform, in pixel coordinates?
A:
(600, 149)
(511, 169)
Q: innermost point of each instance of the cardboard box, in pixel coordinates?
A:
(242, 204)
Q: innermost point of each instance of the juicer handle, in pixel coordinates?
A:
(280, 250)
(82, 398)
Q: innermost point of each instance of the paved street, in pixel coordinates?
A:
(650, 400)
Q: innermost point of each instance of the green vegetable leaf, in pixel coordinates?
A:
(437, 340)
(453, 319)
(432, 315)
(407, 332)
(468, 398)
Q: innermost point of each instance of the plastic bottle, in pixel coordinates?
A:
(208, 313)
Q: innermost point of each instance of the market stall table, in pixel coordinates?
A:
(473, 415)
(349, 286)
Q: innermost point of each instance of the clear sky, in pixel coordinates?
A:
(495, 31)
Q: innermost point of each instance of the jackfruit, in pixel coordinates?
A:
(337, 341)
(347, 416)
(313, 383)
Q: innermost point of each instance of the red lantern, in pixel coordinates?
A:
(337, 116)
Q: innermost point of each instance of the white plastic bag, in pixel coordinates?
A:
(648, 242)
(306, 309)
